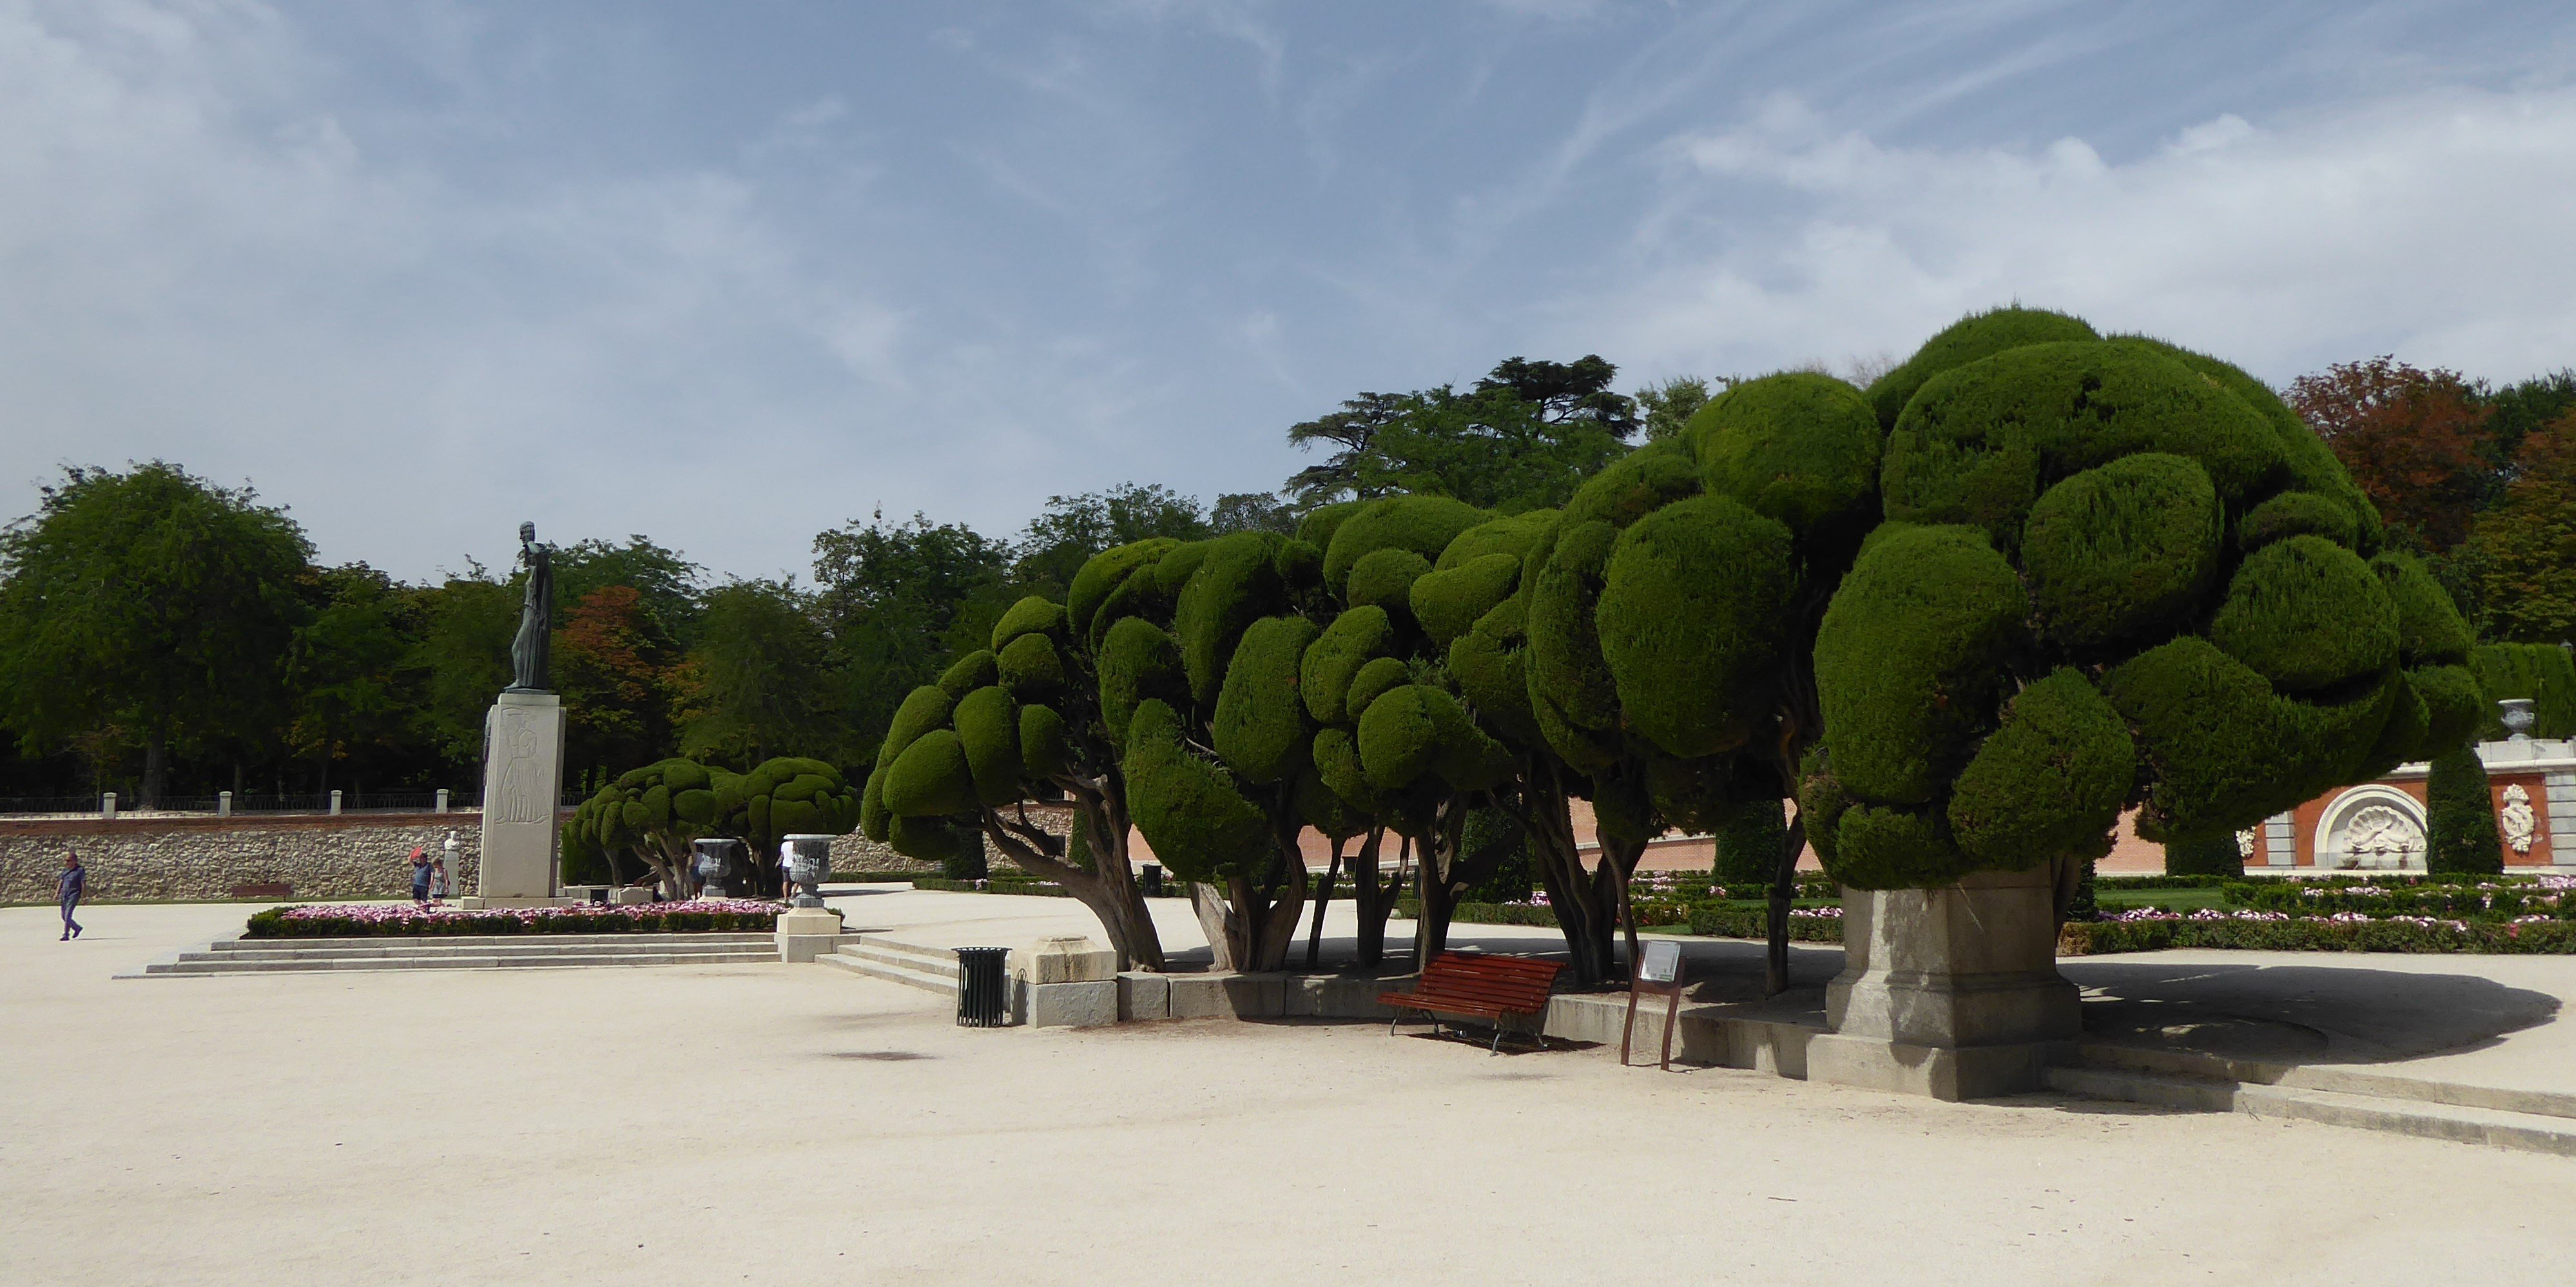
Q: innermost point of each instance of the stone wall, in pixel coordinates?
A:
(144, 859)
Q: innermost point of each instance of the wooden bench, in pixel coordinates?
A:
(1474, 985)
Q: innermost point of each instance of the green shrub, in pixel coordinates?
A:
(1260, 727)
(2122, 549)
(1567, 670)
(1891, 847)
(1491, 666)
(1978, 335)
(1384, 579)
(1910, 659)
(1116, 582)
(2220, 750)
(1138, 663)
(1422, 524)
(2312, 466)
(2459, 811)
(968, 673)
(924, 709)
(2299, 514)
(1515, 535)
(1692, 617)
(1046, 745)
(931, 778)
(1338, 769)
(1749, 839)
(873, 817)
(1034, 615)
(1633, 486)
(2542, 673)
(988, 729)
(1376, 679)
(1797, 448)
(1416, 729)
(1354, 639)
(1449, 603)
(1187, 809)
(2049, 783)
(2211, 854)
(2307, 614)
(1236, 583)
(1512, 881)
(1030, 668)
(1319, 524)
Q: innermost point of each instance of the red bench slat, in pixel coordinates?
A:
(1481, 986)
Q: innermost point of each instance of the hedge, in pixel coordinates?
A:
(374, 923)
(2318, 934)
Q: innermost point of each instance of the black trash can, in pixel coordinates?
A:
(1152, 881)
(983, 995)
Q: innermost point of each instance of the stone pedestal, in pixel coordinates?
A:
(1952, 993)
(806, 934)
(523, 753)
(1065, 982)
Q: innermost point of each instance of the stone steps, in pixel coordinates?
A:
(2537, 1122)
(476, 952)
(932, 969)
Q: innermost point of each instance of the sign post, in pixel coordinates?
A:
(1659, 974)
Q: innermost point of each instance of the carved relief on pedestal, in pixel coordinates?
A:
(2375, 827)
(2516, 818)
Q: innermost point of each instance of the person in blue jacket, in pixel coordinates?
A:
(74, 883)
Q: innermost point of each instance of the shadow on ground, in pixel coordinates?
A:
(2301, 1013)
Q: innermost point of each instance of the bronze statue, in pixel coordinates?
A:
(528, 652)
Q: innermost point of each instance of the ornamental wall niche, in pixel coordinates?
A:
(2375, 827)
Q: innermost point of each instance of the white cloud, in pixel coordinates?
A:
(2431, 225)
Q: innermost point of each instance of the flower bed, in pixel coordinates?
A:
(710, 916)
(2271, 931)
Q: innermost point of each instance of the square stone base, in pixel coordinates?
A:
(1070, 1005)
(1941, 1072)
(807, 934)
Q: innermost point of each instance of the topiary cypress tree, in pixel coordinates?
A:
(2460, 813)
(2204, 855)
(1748, 844)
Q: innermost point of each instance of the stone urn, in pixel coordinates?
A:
(2518, 718)
(809, 864)
(712, 857)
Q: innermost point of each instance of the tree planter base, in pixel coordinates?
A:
(1952, 993)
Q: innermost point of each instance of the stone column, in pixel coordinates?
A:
(1952, 993)
(523, 752)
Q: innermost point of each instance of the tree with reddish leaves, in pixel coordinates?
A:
(613, 662)
(2525, 547)
(2416, 441)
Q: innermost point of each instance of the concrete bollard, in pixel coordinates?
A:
(335, 804)
(107, 806)
(223, 804)
(442, 801)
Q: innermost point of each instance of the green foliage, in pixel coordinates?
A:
(927, 708)
(1260, 727)
(975, 670)
(2222, 749)
(1515, 877)
(2049, 783)
(2543, 673)
(1569, 678)
(2213, 854)
(931, 778)
(2430, 631)
(1235, 583)
(2460, 814)
(988, 728)
(1798, 448)
(1519, 440)
(2453, 707)
(1416, 729)
(1515, 535)
(1422, 524)
(1338, 769)
(2296, 514)
(1749, 837)
(873, 817)
(2313, 468)
(1046, 744)
(759, 679)
(1691, 620)
(1978, 335)
(1138, 663)
(1449, 602)
(1384, 579)
(1490, 664)
(1374, 680)
(2122, 549)
(1892, 847)
(1103, 574)
(1354, 639)
(1035, 614)
(2307, 614)
(1030, 668)
(1910, 660)
(1634, 486)
(957, 848)
(1188, 809)
(785, 796)
(1319, 524)
(1974, 444)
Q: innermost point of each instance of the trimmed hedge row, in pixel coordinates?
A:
(274, 923)
(2528, 938)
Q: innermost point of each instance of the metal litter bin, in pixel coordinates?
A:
(982, 987)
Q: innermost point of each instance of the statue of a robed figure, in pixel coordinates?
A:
(529, 652)
(523, 753)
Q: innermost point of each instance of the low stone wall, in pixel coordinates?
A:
(144, 859)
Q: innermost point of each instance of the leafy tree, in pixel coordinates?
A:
(464, 651)
(352, 690)
(2518, 410)
(2524, 549)
(892, 596)
(665, 584)
(1670, 405)
(1251, 512)
(1071, 529)
(2209, 855)
(1523, 438)
(1353, 430)
(759, 681)
(2460, 814)
(2416, 442)
(613, 663)
(651, 814)
(148, 601)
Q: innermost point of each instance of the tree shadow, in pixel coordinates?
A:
(2300, 1013)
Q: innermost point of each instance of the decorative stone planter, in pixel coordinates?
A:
(1952, 993)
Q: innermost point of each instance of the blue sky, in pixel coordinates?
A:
(729, 274)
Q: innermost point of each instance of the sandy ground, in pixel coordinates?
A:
(792, 1123)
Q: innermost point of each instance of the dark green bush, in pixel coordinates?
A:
(1449, 603)
(2430, 630)
(1101, 575)
(1031, 668)
(1236, 583)
(1798, 448)
(1567, 671)
(1416, 729)
(2459, 811)
(2307, 614)
(1892, 847)
(1910, 659)
(1749, 837)
(924, 709)
(1491, 666)
(1376, 679)
(931, 778)
(2122, 549)
(1188, 809)
(2311, 464)
(1633, 486)
(1319, 524)
(1422, 524)
(2298, 514)
(1384, 579)
(1978, 335)
(1354, 639)
(1138, 662)
(1260, 727)
(1512, 881)
(2049, 783)
(1693, 614)
(1515, 535)
(988, 730)
(2211, 854)
(1046, 745)
(968, 673)
(1338, 768)
(1034, 615)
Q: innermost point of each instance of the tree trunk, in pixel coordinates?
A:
(1784, 889)
(1431, 921)
(1373, 894)
(156, 770)
(1573, 894)
(1107, 887)
(1323, 900)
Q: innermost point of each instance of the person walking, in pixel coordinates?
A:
(420, 875)
(438, 887)
(74, 883)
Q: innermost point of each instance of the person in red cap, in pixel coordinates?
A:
(420, 874)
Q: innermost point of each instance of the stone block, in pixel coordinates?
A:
(1941, 1072)
(807, 934)
(1070, 958)
(1228, 996)
(1089, 1004)
(632, 896)
(1144, 996)
(1972, 964)
(522, 780)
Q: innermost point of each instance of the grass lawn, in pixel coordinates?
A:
(2171, 900)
